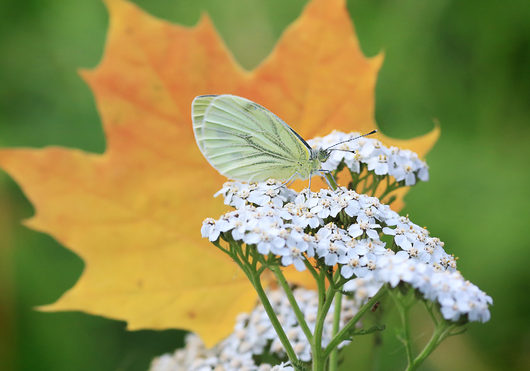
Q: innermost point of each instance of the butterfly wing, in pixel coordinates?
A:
(244, 141)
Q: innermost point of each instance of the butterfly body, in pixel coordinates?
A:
(246, 142)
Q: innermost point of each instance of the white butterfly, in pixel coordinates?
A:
(244, 141)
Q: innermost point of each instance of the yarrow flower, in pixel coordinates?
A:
(455, 295)
(237, 194)
(354, 246)
(298, 226)
(284, 225)
(403, 165)
(254, 335)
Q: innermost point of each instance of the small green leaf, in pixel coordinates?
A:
(370, 330)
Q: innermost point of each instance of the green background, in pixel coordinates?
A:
(464, 63)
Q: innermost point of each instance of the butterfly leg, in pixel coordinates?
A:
(288, 182)
(322, 171)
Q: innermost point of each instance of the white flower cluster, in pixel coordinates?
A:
(271, 192)
(402, 164)
(275, 221)
(253, 335)
(296, 226)
(455, 295)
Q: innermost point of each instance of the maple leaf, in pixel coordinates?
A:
(134, 213)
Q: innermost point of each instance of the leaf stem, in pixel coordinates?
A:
(319, 358)
(404, 315)
(442, 330)
(256, 282)
(321, 284)
(331, 181)
(403, 308)
(344, 332)
(311, 269)
(428, 307)
(333, 357)
(375, 184)
(292, 300)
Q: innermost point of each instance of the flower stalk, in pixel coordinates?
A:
(344, 333)
(334, 355)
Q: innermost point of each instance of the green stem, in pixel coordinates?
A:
(254, 277)
(375, 184)
(391, 188)
(404, 315)
(343, 334)
(365, 183)
(256, 282)
(319, 358)
(334, 356)
(311, 269)
(354, 178)
(361, 178)
(233, 254)
(321, 284)
(368, 186)
(290, 296)
(428, 307)
(403, 309)
(331, 181)
(441, 331)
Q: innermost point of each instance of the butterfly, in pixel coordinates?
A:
(246, 142)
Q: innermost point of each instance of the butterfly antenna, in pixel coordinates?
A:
(349, 140)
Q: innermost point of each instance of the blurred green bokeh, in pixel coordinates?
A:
(463, 63)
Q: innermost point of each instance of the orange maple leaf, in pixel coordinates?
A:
(134, 213)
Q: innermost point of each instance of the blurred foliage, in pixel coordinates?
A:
(462, 63)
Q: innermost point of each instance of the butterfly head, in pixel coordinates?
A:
(313, 163)
(322, 155)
